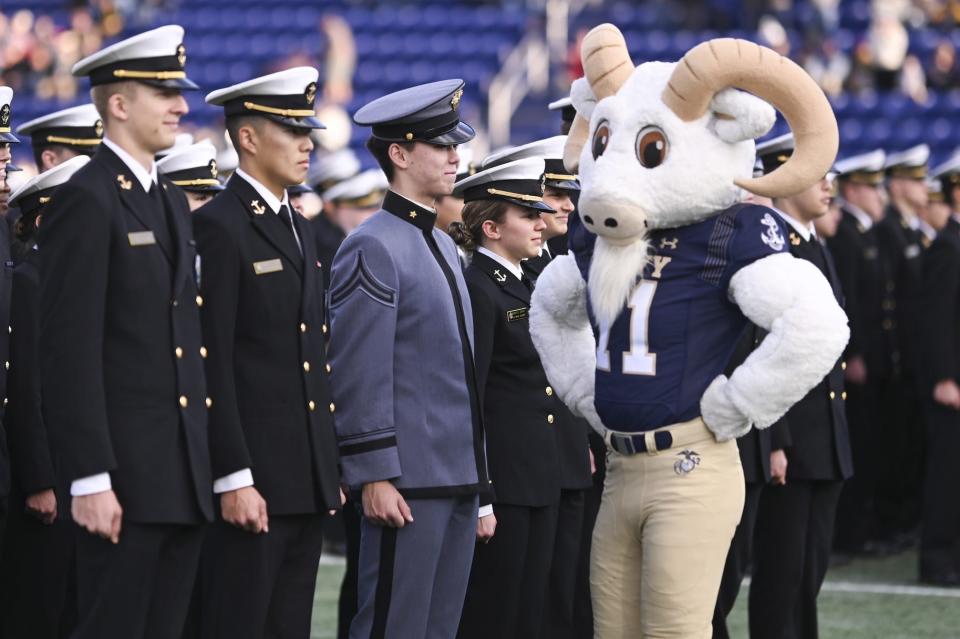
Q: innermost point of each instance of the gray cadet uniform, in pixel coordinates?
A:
(407, 407)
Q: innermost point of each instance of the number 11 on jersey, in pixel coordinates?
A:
(638, 360)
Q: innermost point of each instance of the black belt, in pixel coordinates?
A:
(637, 443)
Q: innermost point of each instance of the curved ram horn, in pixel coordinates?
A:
(717, 64)
(607, 65)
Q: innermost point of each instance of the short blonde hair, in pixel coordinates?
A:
(100, 96)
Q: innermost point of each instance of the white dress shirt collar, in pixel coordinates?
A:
(806, 232)
(146, 177)
(927, 230)
(269, 198)
(513, 268)
(865, 220)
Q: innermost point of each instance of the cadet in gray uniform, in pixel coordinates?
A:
(407, 408)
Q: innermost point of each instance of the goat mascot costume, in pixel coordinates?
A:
(636, 326)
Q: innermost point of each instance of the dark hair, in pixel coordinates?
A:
(233, 125)
(380, 150)
(469, 232)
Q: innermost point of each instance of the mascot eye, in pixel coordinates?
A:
(651, 147)
(601, 137)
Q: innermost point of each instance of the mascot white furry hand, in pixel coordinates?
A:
(664, 147)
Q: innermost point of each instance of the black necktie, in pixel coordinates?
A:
(159, 210)
(526, 282)
(287, 219)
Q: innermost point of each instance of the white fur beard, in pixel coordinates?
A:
(613, 274)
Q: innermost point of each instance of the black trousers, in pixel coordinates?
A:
(565, 566)
(583, 606)
(139, 588)
(793, 538)
(738, 560)
(900, 486)
(261, 586)
(509, 576)
(857, 521)
(347, 606)
(37, 577)
(940, 533)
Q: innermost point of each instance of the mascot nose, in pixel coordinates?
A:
(612, 223)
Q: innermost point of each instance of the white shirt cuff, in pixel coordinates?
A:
(485, 511)
(233, 481)
(93, 484)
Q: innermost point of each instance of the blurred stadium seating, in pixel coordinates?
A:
(403, 44)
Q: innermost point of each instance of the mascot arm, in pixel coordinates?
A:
(561, 332)
(792, 300)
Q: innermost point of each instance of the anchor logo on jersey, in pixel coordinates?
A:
(771, 237)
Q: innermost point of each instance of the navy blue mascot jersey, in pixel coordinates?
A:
(679, 328)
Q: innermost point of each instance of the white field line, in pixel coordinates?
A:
(884, 589)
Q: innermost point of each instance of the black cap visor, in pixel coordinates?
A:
(566, 185)
(308, 123)
(541, 206)
(9, 138)
(460, 134)
(178, 84)
(207, 188)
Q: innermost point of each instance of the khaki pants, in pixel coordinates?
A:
(662, 535)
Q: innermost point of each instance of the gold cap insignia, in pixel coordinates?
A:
(213, 168)
(455, 100)
(258, 208)
(182, 55)
(98, 128)
(311, 93)
(543, 183)
(124, 183)
(5, 115)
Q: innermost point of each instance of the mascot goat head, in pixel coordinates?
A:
(663, 145)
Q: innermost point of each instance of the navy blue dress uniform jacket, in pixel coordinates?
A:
(121, 371)
(266, 367)
(401, 331)
(31, 458)
(519, 406)
(901, 248)
(6, 284)
(940, 309)
(868, 302)
(816, 437)
(572, 442)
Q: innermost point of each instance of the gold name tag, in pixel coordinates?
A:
(517, 314)
(141, 238)
(267, 266)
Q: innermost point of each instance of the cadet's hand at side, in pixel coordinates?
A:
(245, 508)
(856, 372)
(99, 513)
(947, 392)
(384, 505)
(43, 505)
(486, 527)
(778, 467)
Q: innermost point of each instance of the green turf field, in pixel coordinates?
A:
(867, 599)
